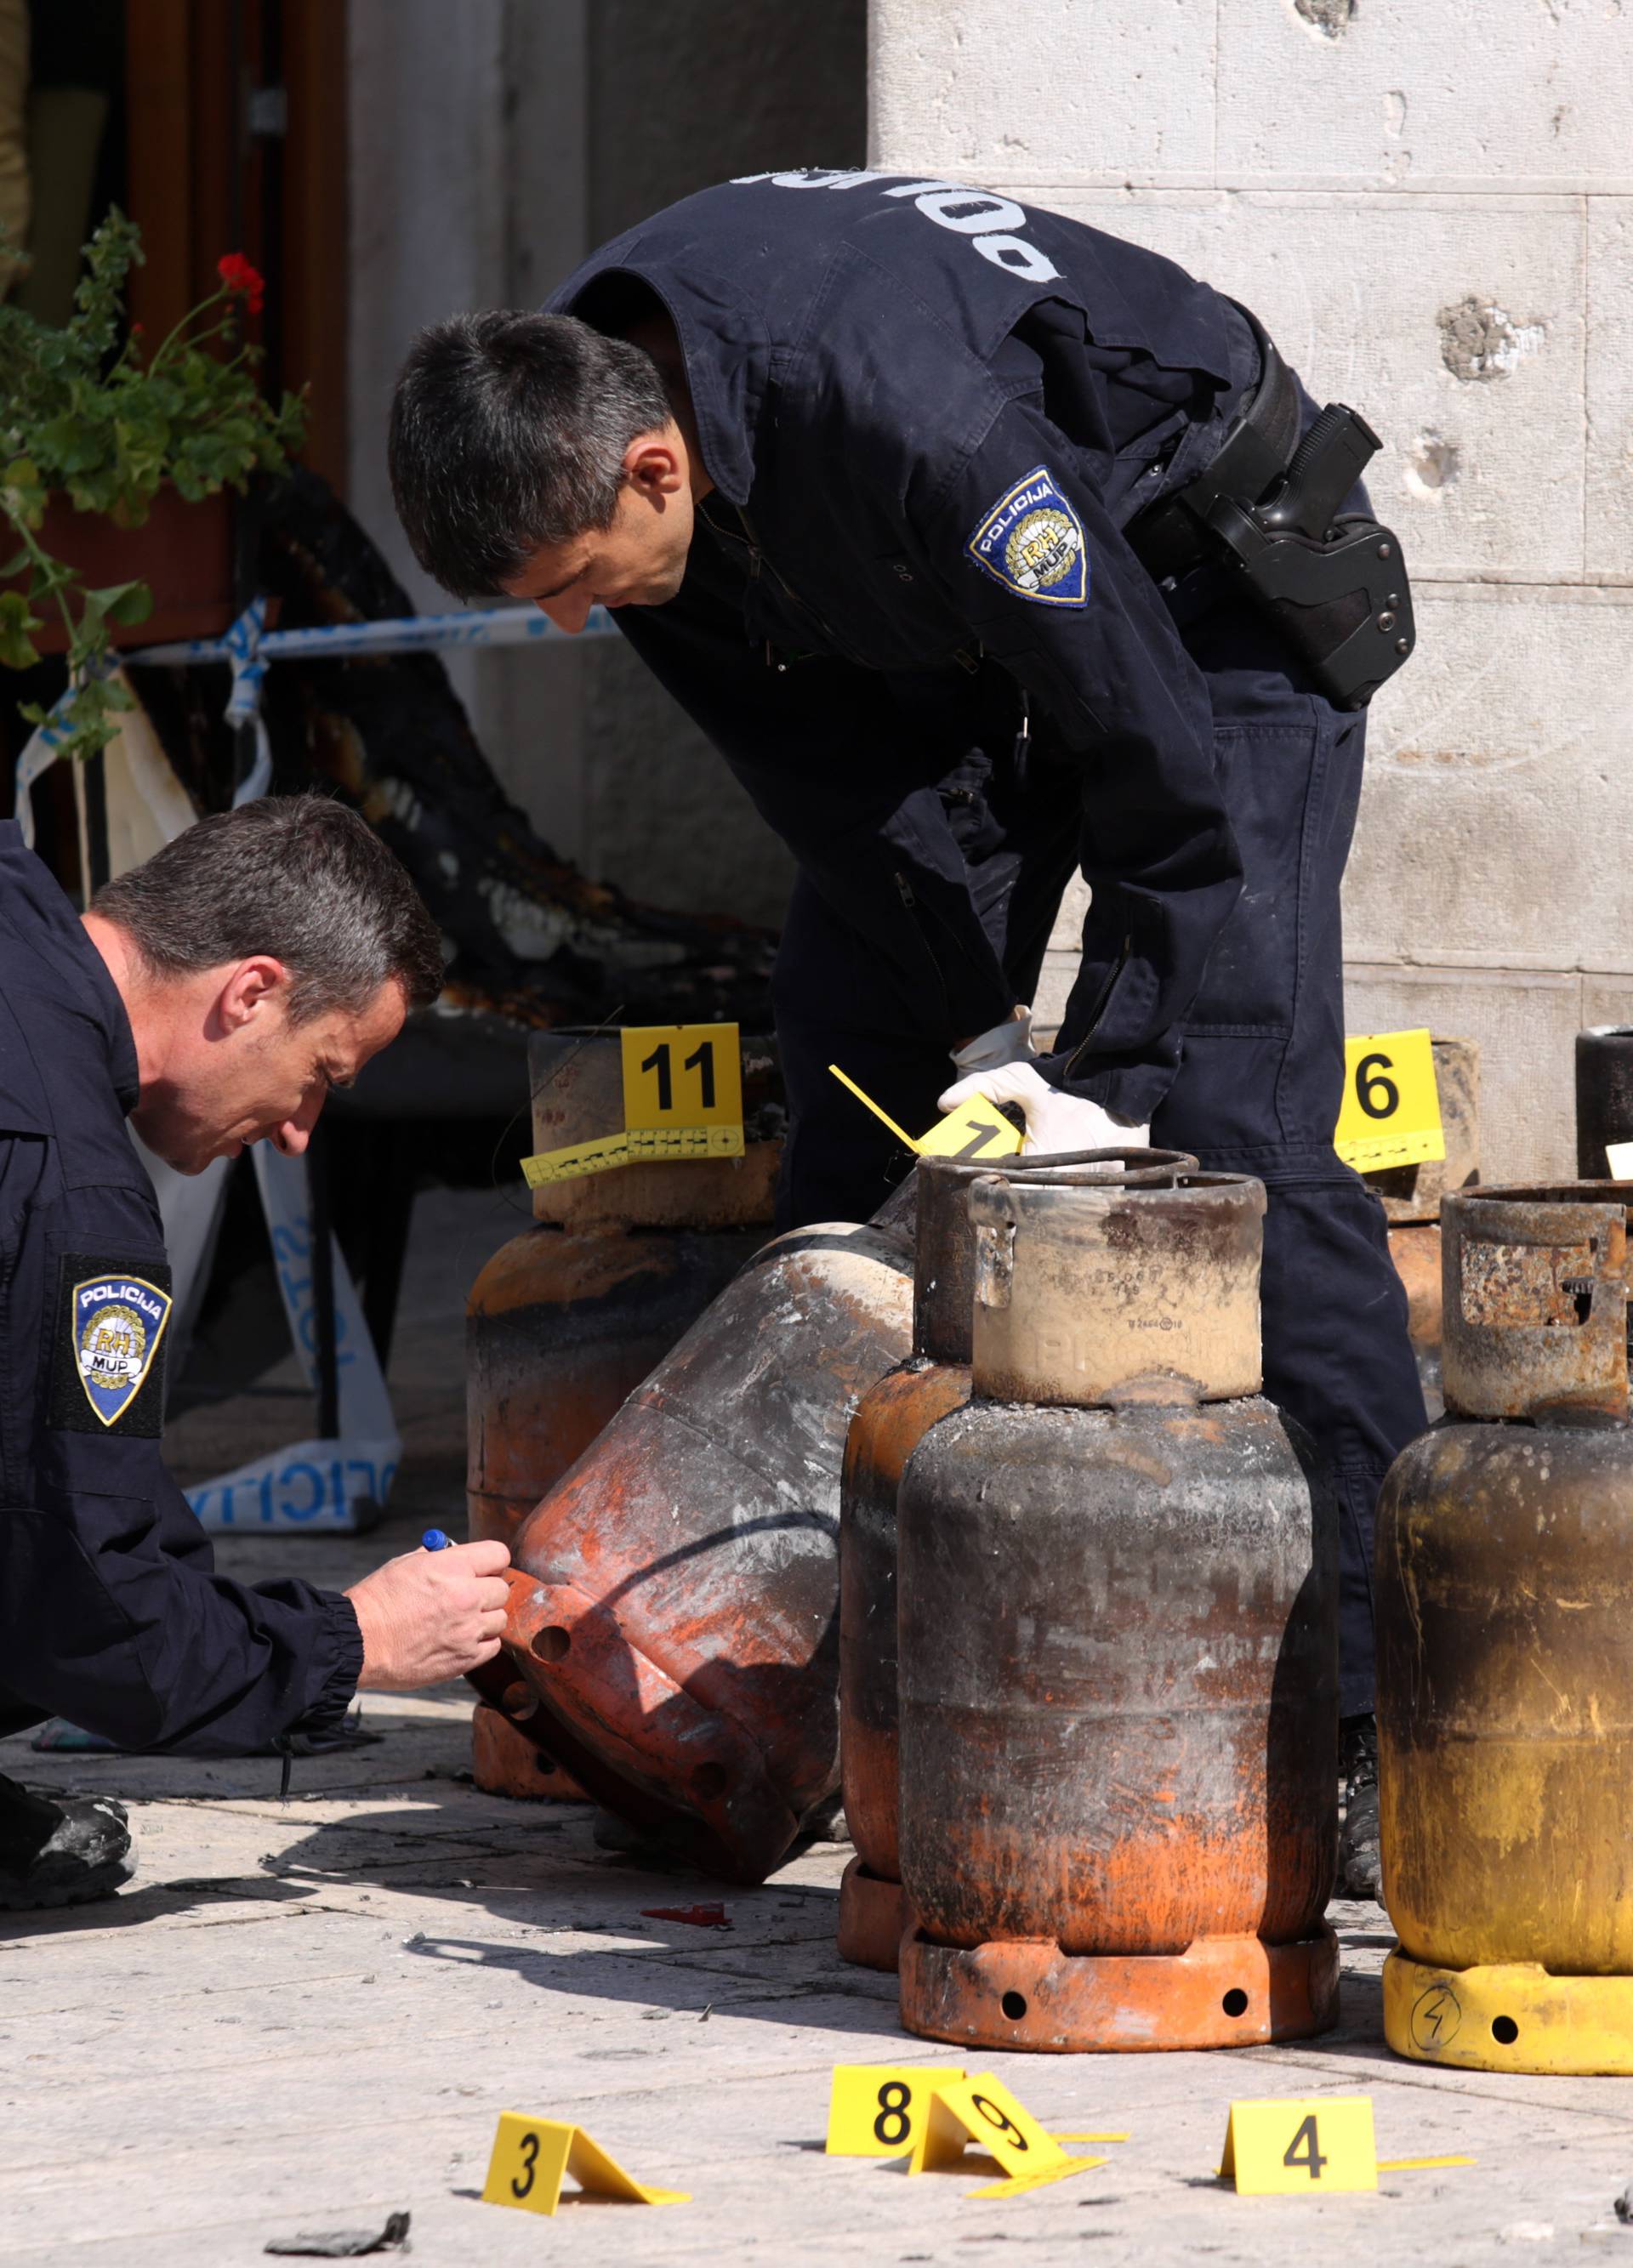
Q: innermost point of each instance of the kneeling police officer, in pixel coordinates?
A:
(986, 547)
(211, 997)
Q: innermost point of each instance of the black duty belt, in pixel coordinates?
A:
(1266, 508)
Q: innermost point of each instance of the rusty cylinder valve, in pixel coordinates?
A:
(1086, 1293)
(1534, 1288)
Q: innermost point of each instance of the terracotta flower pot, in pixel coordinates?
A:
(183, 552)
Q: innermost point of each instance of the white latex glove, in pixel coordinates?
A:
(1010, 1041)
(1054, 1122)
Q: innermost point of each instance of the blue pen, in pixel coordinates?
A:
(434, 1539)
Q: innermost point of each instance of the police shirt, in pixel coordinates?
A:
(928, 411)
(111, 1611)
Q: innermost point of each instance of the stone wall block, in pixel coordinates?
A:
(1456, 329)
(1497, 785)
(1525, 1023)
(1607, 519)
(1401, 94)
(1090, 90)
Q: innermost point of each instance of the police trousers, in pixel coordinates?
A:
(1260, 1076)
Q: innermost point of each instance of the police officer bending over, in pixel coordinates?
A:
(986, 547)
(211, 997)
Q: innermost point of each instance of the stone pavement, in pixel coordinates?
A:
(306, 2016)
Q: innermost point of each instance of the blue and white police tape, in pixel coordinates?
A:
(476, 626)
(248, 646)
(319, 1484)
(41, 751)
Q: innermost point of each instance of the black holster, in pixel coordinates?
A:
(1267, 508)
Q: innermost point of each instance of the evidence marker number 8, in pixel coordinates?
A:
(876, 2110)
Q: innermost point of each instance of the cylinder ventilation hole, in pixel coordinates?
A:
(552, 1643)
(1235, 2002)
(1014, 2005)
(1504, 2031)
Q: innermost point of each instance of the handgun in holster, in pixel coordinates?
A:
(1334, 582)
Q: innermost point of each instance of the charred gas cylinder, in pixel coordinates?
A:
(1604, 1098)
(1118, 1646)
(889, 1425)
(1504, 1596)
(678, 1618)
(567, 1319)
(1412, 1195)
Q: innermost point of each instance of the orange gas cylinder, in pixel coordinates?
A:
(560, 1329)
(506, 1760)
(1118, 1673)
(1503, 1575)
(675, 1607)
(566, 1320)
(889, 1425)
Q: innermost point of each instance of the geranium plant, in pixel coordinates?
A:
(89, 413)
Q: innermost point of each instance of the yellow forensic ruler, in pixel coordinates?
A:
(1391, 1114)
(976, 1128)
(636, 1145)
(532, 2156)
(682, 1099)
(876, 2110)
(981, 2110)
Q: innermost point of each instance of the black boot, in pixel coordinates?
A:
(60, 1854)
(1359, 1868)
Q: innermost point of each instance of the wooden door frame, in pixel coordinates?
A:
(201, 182)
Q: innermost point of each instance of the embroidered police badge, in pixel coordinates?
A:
(114, 1323)
(1032, 542)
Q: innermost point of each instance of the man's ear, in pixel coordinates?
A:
(655, 463)
(252, 990)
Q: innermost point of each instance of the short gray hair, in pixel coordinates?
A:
(298, 877)
(508, 432)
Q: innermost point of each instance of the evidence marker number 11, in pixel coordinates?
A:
(683, 1100)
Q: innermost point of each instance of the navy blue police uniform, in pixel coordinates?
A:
(111, 1611)
(914, 625)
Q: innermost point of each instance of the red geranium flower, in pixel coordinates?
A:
(241, 279)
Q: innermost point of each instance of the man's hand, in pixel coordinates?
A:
(1054, 1122)
(431, 1615)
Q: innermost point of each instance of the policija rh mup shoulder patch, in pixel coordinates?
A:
(1032, 542)
(106, 1371)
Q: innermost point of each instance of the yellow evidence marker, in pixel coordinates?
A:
(687, 1075)
(1291, 2148)
(683, 1100)
(532, 2156)
(981, 2110)
(1287, 2149)
(1391, 1114)
(976, 1128)
(876, 2109)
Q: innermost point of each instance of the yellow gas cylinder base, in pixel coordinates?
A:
(1509, 2016)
